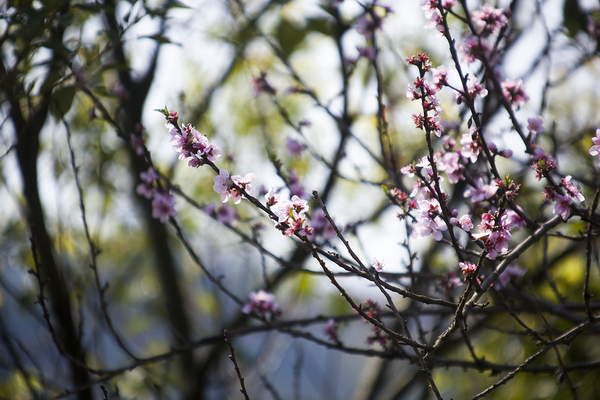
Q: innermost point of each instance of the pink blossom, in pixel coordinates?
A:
(536, 125)
(473, 49)
(435, 22)
(429, 220)
(263, 304)
(372, 21)
(294, 147)
(243, 182)
(572, 191)
(453, 168)
(371, 308)
(210, 209)
(432, 13)
(408, 170)
(272, 197)
(430, 7)
(293, 209)
(426, 165)
(475, 88)
(497, 243)
(145, 188)
(430, 102)
(227, 215)
(331, 330)
(412, 94)
(467, 268)
(494, 229)
(481, 191)
(465, 223)
(509, 272)
(513, 91)
(295, 185)
(367, 52)
(137, 142)
(544, 163)
(322, 226)
(149, 176)
(188, 142)
(510, 219)
(378, 265)
(211, 152)
(180, 143)
(470, 148)
(291, 213)
(449, 282)
(489, 20)
(595, 149)
(506, 153)
(440, 76)
(162, 206)
(562, 206)
(563, 202)
(260, 84)
(222, 184)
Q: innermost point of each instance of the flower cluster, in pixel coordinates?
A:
(372, 20)
(429, 121)
(474, 48)
(468, 268)
(331, 330)
(291, 216)
(231, 186)
(563, 201)
(162, 202)
(510, 272)
(223, 214)
(321, 225)
(371, 308)
(294, 147)
(401, 198)
(470, 145)
(260, 85)
(263, 304)
(429, 220)
(449, 282)
(543, 162)
(190, 143)
(595, 149)
(494, 230)
(432, 10)
(295, 185)
(513, 91)
(489, 20)
(378, 265)
(481, 191)
(535, 125)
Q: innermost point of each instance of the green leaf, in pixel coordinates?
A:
(290, 37)
(163, 111)
(575, 20)
(62, 100)
(160, 39)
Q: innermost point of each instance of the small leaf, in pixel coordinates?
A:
(159, 39)
(163, 111)
(62, 100)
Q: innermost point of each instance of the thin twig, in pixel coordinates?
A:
(237, 368)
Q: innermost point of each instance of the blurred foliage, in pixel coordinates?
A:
(222, 51)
